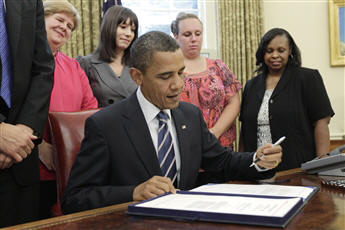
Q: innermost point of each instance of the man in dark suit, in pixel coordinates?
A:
(120, 158)
(30, 71)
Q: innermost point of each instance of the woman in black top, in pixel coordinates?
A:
(285, 99)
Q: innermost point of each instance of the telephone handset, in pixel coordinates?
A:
(333, 165)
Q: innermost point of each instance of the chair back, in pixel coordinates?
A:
(67, 132)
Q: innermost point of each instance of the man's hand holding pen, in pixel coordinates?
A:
(269, 156)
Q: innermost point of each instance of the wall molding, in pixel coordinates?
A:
(337, 136)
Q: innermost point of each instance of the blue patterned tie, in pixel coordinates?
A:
(5, 58)
(166, 153)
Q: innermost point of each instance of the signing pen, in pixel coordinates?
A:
(278, 142)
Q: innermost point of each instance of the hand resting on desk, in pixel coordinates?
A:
(153, 187)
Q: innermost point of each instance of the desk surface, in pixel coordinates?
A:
(326, 211)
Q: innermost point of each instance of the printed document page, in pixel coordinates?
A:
(224, 204)
(263, 189)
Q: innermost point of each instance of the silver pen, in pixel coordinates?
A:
(278, 142)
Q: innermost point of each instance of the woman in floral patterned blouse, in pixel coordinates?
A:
(209, 84)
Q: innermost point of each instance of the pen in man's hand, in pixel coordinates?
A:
(278, 142)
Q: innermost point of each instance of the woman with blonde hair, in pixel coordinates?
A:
(71, 92)
(209, 84)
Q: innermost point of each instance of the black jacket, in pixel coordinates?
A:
(117, 154)
(298, 101)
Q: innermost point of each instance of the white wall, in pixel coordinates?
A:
(208, 15)
(307, 21)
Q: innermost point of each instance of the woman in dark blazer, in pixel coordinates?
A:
(285, 99)
(107, 67)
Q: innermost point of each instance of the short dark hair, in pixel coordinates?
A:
(180, 17)
(114, 16)
(146, 45)
(294, 58)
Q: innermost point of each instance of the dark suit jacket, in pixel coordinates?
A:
(32, 77)
(106, 86)
(117, 154)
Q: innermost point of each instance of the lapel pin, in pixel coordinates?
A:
(183, 126)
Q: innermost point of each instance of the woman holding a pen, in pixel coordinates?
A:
(285, 99)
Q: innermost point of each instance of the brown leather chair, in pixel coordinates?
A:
(67, 132)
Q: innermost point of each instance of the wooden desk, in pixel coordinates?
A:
(326, 211)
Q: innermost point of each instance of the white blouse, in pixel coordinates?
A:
(264, 131)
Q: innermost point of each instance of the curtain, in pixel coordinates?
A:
(84, 39)
(241, 28)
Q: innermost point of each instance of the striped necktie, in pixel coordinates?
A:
(166, 153)
(5, 58)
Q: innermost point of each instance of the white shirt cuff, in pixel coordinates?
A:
(256, 166)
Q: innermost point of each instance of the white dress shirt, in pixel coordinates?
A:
(150, 112)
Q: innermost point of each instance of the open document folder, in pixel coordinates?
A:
(268, 205)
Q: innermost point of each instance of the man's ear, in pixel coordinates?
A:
(136, 75)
